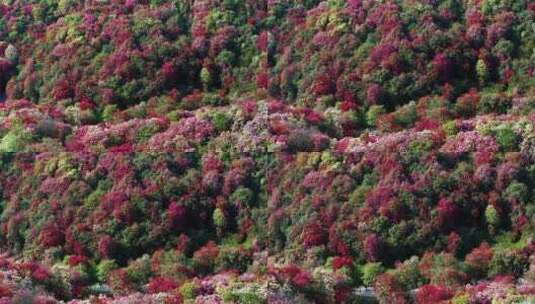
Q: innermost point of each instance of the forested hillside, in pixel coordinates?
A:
(267, 151)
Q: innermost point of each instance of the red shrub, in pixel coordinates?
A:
(454, 241)
(176, 215)
(431, 294)
(62, 90)
(373, 247)
(294, 275)
(107, 246)
(77, 259)
(262, 41)
(324, 85)
(447, 212)
(51, 236)
(314, 235)
(302, 280)
(389, 290)
(339, 262)
(479, 258)
(161, 284)
(443, 66)
(207, 254)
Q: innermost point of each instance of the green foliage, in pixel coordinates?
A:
(233, 258)
(461, 299)
(406, 115)
(450, 127)
(492, 216)
(189, 290)
(482, 70)
(507, 138)
(206, 78)
(243, 196)
(104, 268)
(370, 271)
(107, 113)
(222, 121)
(15, 140)
(493, 103)
(139, 271)
(373, 113)
(250, 294)
(508, 263)
(517, 191)
(219, 218)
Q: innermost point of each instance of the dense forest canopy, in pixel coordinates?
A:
(267, 151)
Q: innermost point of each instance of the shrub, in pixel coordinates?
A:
(450, 128)
(15, 140)
(221, 121)
(517, 191)
(161, 284)
(373, 113)
(492, 216)
(206, 78)
(300, 141)
(243, 196)
(508, 263)
(104, 268)
(205, 258)
(429, 294)
(493, 103)
(482, 70)
(507, 138)
(370, 271)
(478, 260)
(139, 271)
(108, 112)
(219, 218)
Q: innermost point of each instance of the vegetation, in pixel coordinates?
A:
(267, 151)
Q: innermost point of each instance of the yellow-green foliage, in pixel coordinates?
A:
(15, 140)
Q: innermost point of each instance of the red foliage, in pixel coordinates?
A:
(161, 284)
(479, 258)
(374, 94)
(5, 291)
(454, 241)
(388, 288)
(107, 246)
(176, 215)
(467, 103)
(207, 254)
(294, 275)
(447, 212)
(169, 70)
(36, 271)
(443, 66)
(324, 85)
(51, 236)
(77, 259)
(5, 66)
(373, 247)
(62, 90)
(313, 117)
(86, 103)
(262, 80)
(339, 262)
(347, 106)
(262, 41)
(431, 294)
(314, 234)
(302, 280)
(211, 162)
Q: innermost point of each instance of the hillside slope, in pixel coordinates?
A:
(267, 151)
